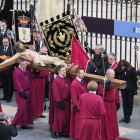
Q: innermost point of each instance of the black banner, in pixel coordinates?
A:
(58, 37)
(23, 28)
(99, 25)
(5, 7)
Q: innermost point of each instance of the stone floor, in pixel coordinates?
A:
(41, 127)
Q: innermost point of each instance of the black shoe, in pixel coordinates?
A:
(42, 116)
(54, 134)
(8, 100)
(63, 135)
(35, 117)
(127, 120)
(3, 98)
(122, 120)
(26, 127)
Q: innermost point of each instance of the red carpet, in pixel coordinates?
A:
(123, 139)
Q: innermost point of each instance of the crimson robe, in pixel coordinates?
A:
(77, 89)
(51, 103)
(91, 109)
(61, 92)
(22, 82)
(38, 90)
(0, 107)
(109, 123)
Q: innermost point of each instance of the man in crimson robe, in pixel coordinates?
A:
(109, 123)
(62, 103)
(78, 87)
(22, 83)
(91, 109)
(0, 107)
(38, 90)
(51, 105)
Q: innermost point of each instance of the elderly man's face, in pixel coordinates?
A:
(37, 38)
(111, 59)
(111, 75)
(96, 50)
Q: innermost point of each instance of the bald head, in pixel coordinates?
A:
(110, 74)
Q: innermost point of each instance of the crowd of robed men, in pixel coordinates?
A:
(93, 114)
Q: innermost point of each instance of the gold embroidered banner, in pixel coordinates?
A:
(58, 37)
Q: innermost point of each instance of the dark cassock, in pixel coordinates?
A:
(97, 61)
(22, 83)
(0, 107)
(7, 75)
(91, 109)
(62, 104)
(77, 89)
(107, 66)
(109, 123)
(38, 91)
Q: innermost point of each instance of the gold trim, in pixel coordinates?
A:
(44, 33)
(3, 5)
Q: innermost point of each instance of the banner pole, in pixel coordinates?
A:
(82, 34)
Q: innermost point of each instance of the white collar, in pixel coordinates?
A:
(62, 76)
(21, 68)
(78, 79)
(92, 92)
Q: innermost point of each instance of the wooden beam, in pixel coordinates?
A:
(114, 83)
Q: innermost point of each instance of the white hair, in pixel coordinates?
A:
(109, 70)
(112, 54)
(43, 47)
(100, 47)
